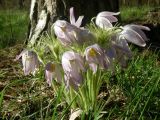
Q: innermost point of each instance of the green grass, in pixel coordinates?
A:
(134, 94)
(140, 83)
(132, 14)
(13, 27)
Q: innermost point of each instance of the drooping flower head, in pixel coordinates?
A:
(53, 70)
(73, 66)
(95, 57)
(68, 33)
(104, 19)
(134, 34)
(65, 32)
(119, 50)
(30, 61)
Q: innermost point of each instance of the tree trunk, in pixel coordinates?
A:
(43, 13)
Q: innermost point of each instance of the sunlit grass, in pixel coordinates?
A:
(134, 13)
(13, 27)
(140, 83)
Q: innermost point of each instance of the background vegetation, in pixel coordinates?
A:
(13, 27)
(139, 3)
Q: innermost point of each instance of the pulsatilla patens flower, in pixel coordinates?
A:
(104, 19)
(73, 20)
(73, 66)
(95, 57)
(134, 34)
(30, 61)
(53, 70)
(119, 50)
(68, 33)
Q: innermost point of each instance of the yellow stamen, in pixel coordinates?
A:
(92, 52)
(53, 67)
(72, 61)
(63, 29)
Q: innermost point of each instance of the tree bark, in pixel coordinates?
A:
(43, 13)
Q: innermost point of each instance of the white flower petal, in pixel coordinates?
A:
(75, 114)
(107, 13)
(72, 17)
(73, 66)
(104, 19)
(137, 29)
(53, 70)
(103, 23)
(93, 67)
(133, 37)
(79, 21)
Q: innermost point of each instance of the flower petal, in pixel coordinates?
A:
(93, 67)
(30, 62)
(75, 114)
(72, 17)
(49, 77)
(73, 66)
(20, 55)
(79, 21)
(138, 28)
(133, 37)
(107, 13)
(112, 18)
(53, 70)
(103, 23)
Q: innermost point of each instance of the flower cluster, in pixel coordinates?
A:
(74, 64)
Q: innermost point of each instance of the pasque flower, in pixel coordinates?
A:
(73, 20)
(104, 19)
(134, 34)
(95, 57)
(73, 66)
(119, 50)
(68, 33)
(30, 61)
(53, 70)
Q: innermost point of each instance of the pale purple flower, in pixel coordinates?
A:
(68, 33)
(104, 19)
(73, 66)
(73, 20)
(134, 34)
(65, 32)
(95, 57)
(119, 50)
(53, 70)
(30, 61)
